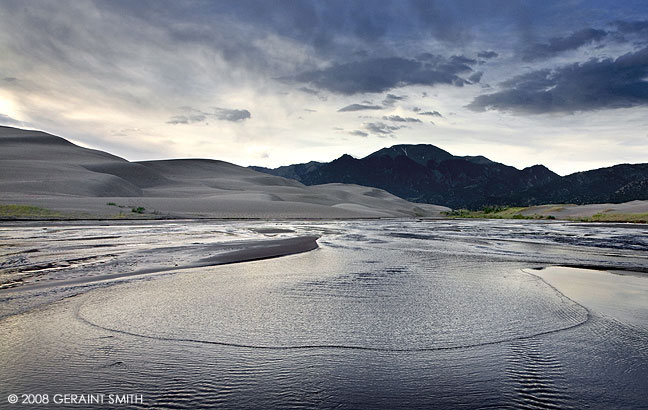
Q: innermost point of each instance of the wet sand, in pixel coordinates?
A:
(620, 295)
(226, 253)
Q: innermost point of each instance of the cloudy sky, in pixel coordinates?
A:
(563, 83)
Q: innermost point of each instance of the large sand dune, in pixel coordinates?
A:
(48, 171)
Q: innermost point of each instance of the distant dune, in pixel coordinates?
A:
(43, 170)
(636, 211)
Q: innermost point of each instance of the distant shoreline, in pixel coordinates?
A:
(574, 213)
(628, 212)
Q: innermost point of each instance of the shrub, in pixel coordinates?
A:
(491, 209)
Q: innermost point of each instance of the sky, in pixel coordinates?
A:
(269, 83)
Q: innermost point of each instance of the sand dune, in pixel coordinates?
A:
(50, 172)
(570, 211)
(33, 162)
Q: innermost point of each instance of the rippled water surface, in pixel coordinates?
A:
(385, 314)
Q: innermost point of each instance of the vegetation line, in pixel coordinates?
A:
(506, 212)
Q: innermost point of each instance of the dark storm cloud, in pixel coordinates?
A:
(381, 74)
(222, 114)
(308, 90)
(462, 61)
(238, 33)
(313, 92)
(636, 31)
(455, 64)
(476, 77)
(359, 107)
(391, 99)
(631, 27)
(381, 129)
(330, 24)
(593, 85)
(398, 118)
(487, 54)
(336, 29)
(558, 45)
(432, 114)
(227, 114)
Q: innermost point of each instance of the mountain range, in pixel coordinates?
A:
(427, 174)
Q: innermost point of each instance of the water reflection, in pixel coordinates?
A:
(386, 314)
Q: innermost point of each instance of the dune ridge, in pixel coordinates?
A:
(47, 171)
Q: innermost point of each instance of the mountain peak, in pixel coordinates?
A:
(425, 173)
(420, 153)
(539, 169)
(478, 159)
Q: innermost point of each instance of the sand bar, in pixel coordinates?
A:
(234, 252)
(621, 296)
